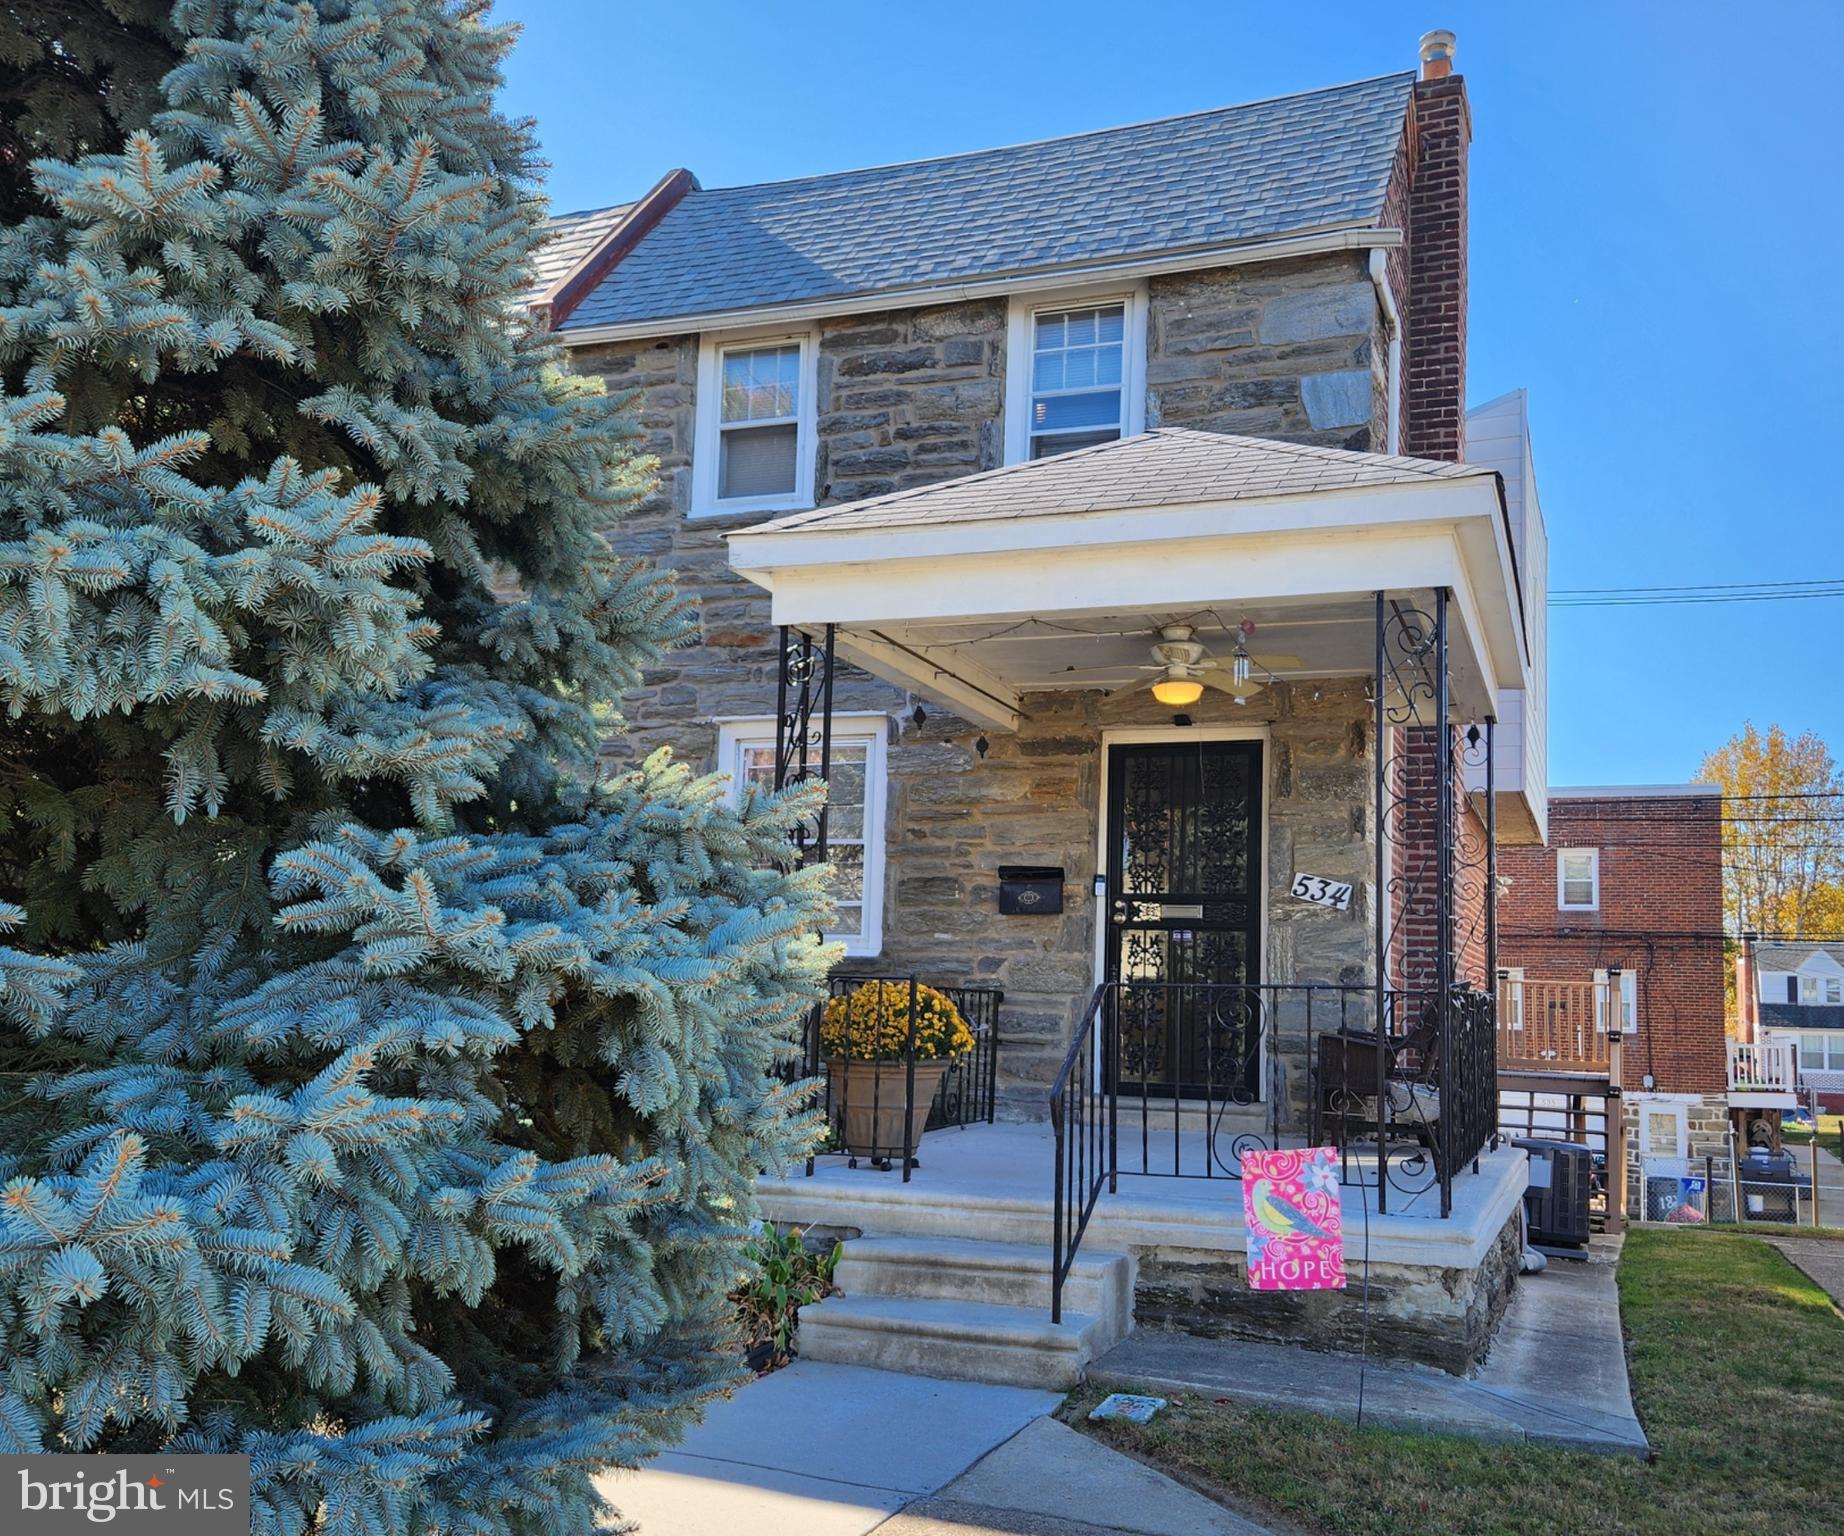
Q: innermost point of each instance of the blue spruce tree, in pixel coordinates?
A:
(382, 1091)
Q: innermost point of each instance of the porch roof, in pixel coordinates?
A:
(1049, 575)
(1167, 466)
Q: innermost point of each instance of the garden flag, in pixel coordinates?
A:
(1296, 1235)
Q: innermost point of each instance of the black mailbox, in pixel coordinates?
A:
(1030, 890)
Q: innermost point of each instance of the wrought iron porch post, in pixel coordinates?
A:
(1380, 754)
(1443, 895)
(804, 672)
(799, 671)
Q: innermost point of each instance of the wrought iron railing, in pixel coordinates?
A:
(1408, 1106)
(870, 1113)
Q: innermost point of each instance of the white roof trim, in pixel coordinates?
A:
(1337, 238)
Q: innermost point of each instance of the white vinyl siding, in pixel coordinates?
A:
(1578, 879)
(855, 799)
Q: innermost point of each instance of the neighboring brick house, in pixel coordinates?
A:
(1029, 431)
(1628, 895)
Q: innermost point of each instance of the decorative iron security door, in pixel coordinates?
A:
(1184, 916)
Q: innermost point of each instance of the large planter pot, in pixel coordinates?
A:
(868, 1097)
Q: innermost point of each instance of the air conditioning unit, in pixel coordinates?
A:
(1556, 1200)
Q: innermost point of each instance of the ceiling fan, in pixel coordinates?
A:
(1183, 667)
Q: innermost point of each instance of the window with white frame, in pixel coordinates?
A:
(1834, 989)
(1578, 879)
(854, 817)
(1075, 373)
(1816, 989)
(1511, 986)
(755, 434)
(1629, 1001)
(1822, 1052)
(1663, 1130)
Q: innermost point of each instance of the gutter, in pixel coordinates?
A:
(1392, 318)
(1343, 238)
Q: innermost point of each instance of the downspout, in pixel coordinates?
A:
(1392, 320)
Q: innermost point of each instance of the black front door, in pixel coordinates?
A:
(1184, 906)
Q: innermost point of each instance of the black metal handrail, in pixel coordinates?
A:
(966, 1093)
(1087, 1150)
(1303, 1060)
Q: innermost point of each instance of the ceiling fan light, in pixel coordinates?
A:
(1177, 691)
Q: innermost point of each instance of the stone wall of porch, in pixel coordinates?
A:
(1035, 798)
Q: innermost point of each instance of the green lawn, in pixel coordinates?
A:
(1738, 1372)
(1829, 1127)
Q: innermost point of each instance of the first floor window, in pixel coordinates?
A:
(1822, 1053)
(1578, 879)
(854, 819)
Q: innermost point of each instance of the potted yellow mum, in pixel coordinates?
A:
(867, 1039)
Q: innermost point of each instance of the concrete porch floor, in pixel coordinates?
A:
(996, 1183)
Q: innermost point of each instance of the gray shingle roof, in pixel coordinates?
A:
(1790, 956)
(571, 237)
(1168, 466)
(1268, 168)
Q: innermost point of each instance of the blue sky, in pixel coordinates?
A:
(1656, 234)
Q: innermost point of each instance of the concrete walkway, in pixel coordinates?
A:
(1556, 1374)
(1822, 1259)
(837, 1450)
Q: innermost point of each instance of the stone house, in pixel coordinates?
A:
(1098, 515)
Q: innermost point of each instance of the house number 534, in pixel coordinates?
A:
(1322, 892)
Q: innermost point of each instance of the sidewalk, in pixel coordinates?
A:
(837, 1450)
(1556, 1374)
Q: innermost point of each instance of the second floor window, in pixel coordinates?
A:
(759, 424)
(1077, 386)
(1578, 879)
(1075, 371)
(755, 438)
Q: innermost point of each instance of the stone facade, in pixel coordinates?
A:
(1439, 1317)
(1291, 350)
(1036, 799)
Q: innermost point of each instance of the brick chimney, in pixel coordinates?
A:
(1434, 404)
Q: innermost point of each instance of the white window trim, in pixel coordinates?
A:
(872, 729)
(1513, 978)
(711, 348)
(1593, 904)
(1629, 1002)
(1019, 313)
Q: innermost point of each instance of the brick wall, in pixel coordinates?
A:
(1660, 917)
(1434, 419)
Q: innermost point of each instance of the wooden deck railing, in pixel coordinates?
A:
(1551, 1026)
(1770, 1067)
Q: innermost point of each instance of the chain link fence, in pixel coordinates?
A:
(1693, 1191)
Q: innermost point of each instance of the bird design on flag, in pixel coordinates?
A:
(1281, 1216)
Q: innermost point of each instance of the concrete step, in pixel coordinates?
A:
(959, 1340)
(1004, 1274)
